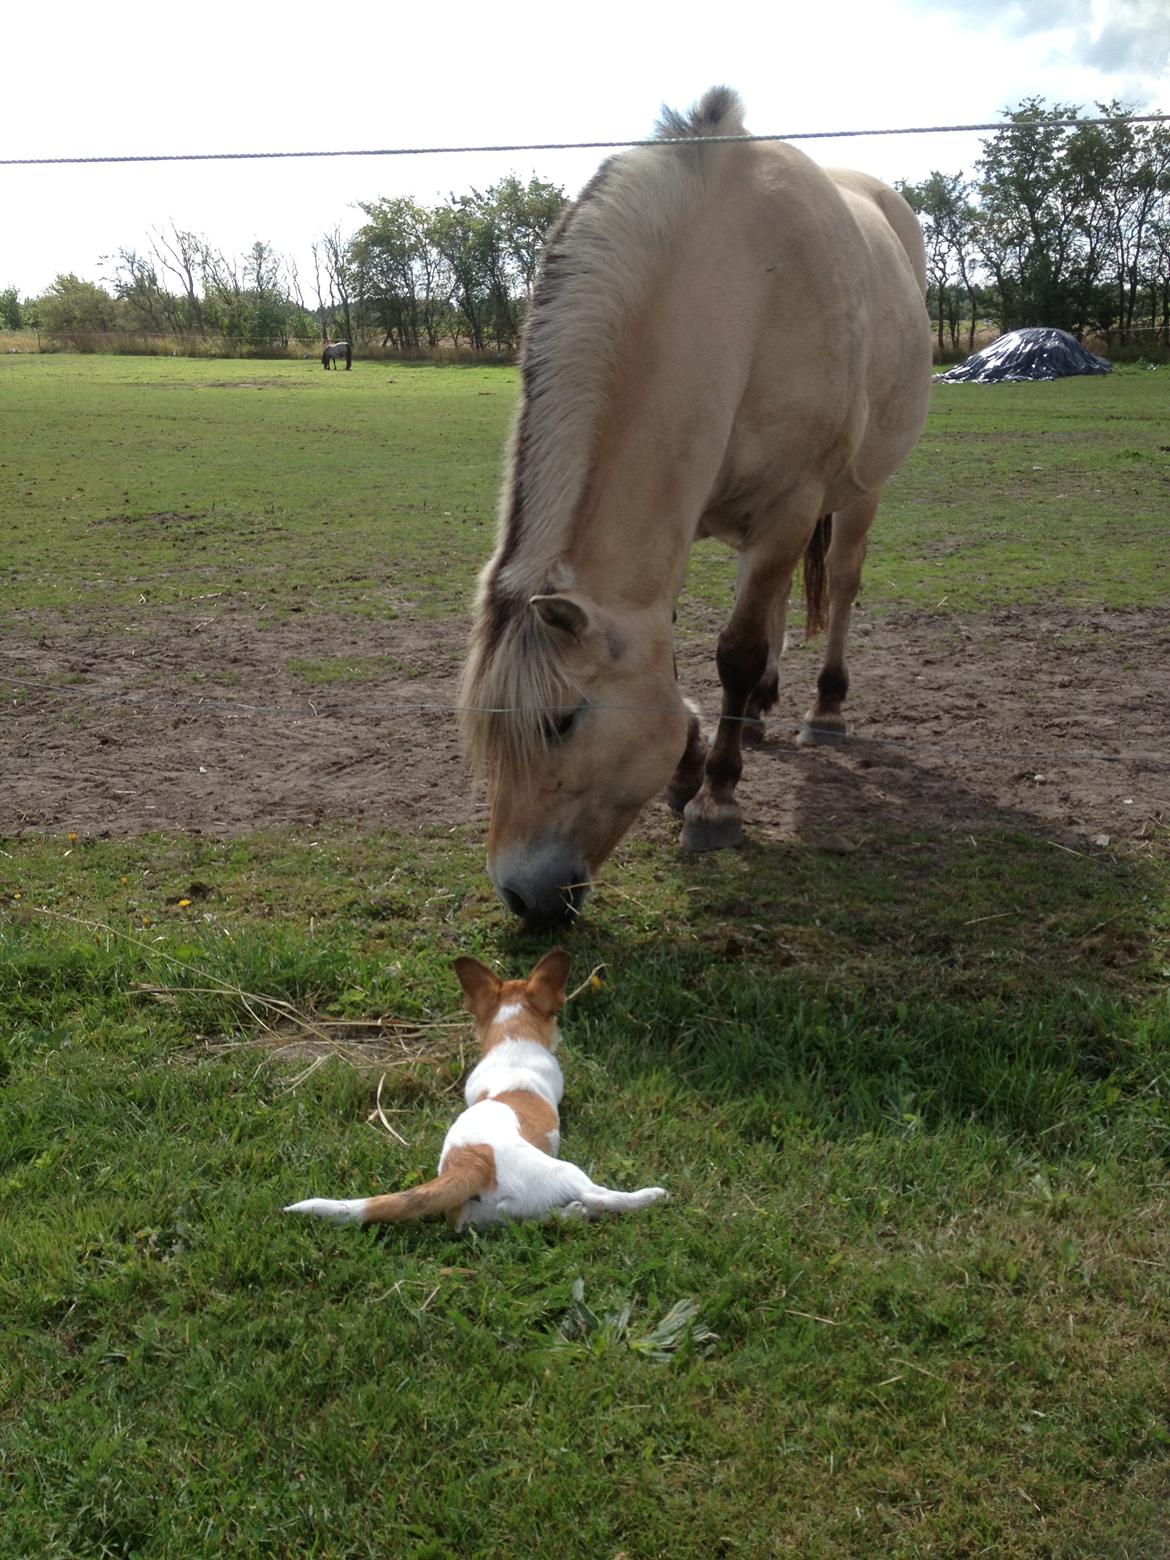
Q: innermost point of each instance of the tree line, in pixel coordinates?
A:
(1058, 225)
(1064, 226)
(411, 277)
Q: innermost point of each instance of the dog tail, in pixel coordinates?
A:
(465, 1174)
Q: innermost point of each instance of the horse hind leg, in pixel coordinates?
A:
(824, 721)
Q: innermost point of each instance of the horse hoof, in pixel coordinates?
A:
(753, 733)
(712, 828)
(820, 734)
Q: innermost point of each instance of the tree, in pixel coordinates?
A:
(404, 280)
(341, 274)
(10, 312)
(225, 304)
(76, 310)
(1134, 185)
(463, 243)
(947, 218)
(525, 213)
(184, 255)
(271, 313)
(136, 284)
(1035, 188)
(491, 240)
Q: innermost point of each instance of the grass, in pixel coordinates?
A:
(910, 1294)
(131, 480)
(1057, 494)
(273, 487)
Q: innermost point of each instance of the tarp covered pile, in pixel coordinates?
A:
(1037, 353)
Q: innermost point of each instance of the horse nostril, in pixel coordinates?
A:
(513, 901)
(560, 907)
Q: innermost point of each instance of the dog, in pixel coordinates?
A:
(499, 1159)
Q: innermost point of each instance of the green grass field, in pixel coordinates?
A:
(910, 1101)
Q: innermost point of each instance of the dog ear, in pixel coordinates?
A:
(481, 986)
(546, 985)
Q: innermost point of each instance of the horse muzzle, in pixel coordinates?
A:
(545, 886)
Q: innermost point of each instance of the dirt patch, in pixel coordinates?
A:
(1049, 721)
(253, 384)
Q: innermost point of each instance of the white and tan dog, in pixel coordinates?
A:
(499, 1158)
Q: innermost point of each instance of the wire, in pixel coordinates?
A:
(582, 146)
(322, 709)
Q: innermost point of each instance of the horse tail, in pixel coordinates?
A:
(348, 354)
(325, 358)
(816, 577)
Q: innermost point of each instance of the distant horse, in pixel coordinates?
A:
(725, 340)
(335, 350)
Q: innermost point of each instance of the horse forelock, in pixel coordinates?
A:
(515, 675)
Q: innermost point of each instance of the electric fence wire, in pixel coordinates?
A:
(581, 146)
(325, 709)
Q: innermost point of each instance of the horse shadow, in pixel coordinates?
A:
(892, 944)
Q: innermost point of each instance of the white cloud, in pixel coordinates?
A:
(1111, 36)
(1128, 36)
(1018, 18)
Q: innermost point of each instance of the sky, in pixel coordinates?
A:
(84, 80)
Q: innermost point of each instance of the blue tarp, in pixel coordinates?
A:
(1039, 352)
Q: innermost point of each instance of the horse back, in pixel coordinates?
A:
(840, 340)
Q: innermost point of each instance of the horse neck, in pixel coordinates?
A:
(623, 444)
(648, 486)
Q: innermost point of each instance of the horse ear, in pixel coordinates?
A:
(562, 612)
(546, 984)
(481, 986)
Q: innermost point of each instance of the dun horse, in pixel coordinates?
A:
(335, 350)
(729, 341)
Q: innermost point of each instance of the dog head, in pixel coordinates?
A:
(515, 1009)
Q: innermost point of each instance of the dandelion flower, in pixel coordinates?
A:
(595, 982)
(183, 903)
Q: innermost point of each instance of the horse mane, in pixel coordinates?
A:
(599, 260)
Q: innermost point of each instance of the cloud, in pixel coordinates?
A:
(1107, 35)
(1021, 18)
(1131, 35)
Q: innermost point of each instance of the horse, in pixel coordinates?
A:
(335, 350)
(725, 340)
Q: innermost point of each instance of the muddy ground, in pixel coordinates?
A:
(1050, 721)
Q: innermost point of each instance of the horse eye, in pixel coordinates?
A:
(558, 726)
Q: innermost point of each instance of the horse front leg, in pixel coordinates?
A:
(843, 563)
(766, 693)
(713, 819)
